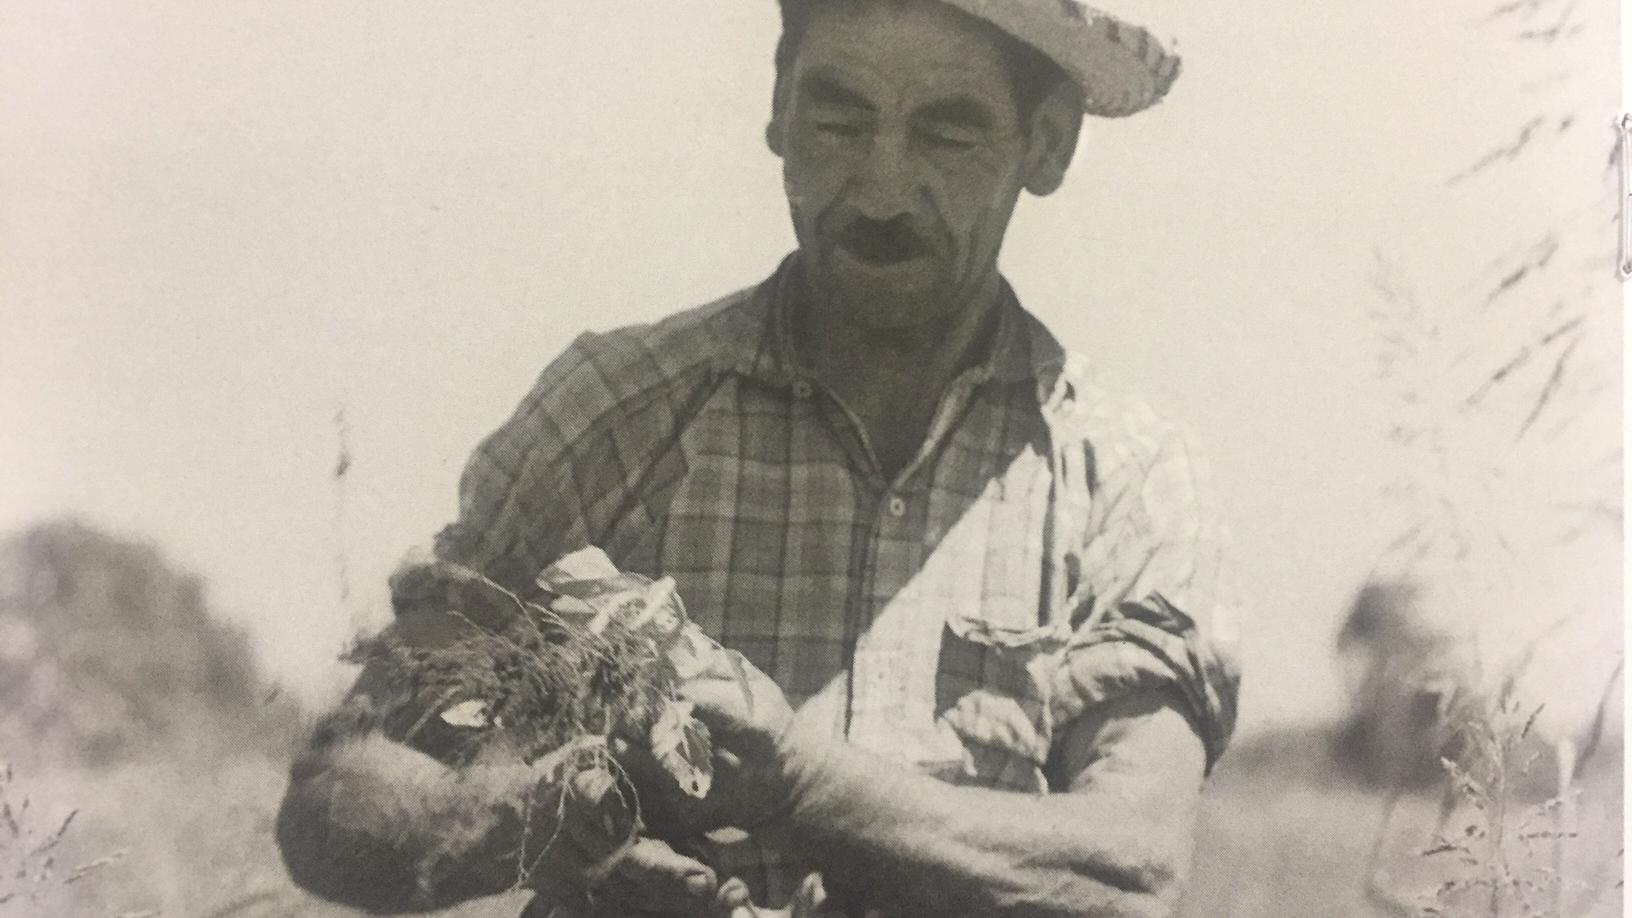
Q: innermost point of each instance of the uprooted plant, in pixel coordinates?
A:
(561, 684)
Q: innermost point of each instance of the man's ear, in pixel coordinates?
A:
(775, 128)
(1052, 138)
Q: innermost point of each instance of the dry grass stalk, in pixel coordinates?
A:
(29, 876)
(1505, 860)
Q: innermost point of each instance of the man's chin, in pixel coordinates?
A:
(888, 315)
(896, 287)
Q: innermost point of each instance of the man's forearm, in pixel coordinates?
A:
(377, 825)
(937, 849)
(1112, 843)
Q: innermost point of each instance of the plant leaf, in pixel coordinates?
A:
(680, 743)
(472, 714)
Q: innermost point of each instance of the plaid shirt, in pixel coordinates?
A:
(1050, 547)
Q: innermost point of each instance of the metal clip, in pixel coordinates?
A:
(1623, 260)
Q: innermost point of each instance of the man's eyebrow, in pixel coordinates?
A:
(826, 91)
(965, 111)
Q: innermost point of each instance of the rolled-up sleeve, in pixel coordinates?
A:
(1155, 606)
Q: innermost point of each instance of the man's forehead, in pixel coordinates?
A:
(890, 20)
(921, 44)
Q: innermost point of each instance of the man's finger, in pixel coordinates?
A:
(600, 812)
(651, 876)
(734, 901)
(721, 703)
(557, 873)
(732, 690)
(809, 898)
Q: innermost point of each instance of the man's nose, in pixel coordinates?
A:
(885, 177)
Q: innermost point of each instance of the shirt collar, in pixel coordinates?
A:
(761, 348)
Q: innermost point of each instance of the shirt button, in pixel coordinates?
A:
(898, 507)
(801, 388)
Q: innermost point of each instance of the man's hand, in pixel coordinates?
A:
(591, 862)
(760, 755)
(646, 878)
(809, 901)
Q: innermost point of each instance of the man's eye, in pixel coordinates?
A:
(950, 141)
(842, 129)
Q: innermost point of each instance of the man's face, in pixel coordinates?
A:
(903, 155)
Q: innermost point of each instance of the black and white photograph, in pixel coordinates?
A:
(812, 459)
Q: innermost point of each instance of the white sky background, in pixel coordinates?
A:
(219, 222)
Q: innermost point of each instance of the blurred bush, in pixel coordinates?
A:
(136, 718)
(107, 652)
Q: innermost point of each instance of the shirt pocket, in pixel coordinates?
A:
(992, 690)
(1004, 627)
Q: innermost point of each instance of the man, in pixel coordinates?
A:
(986, 589)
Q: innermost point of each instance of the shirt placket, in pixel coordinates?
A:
(890, 639)
(892, 691)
